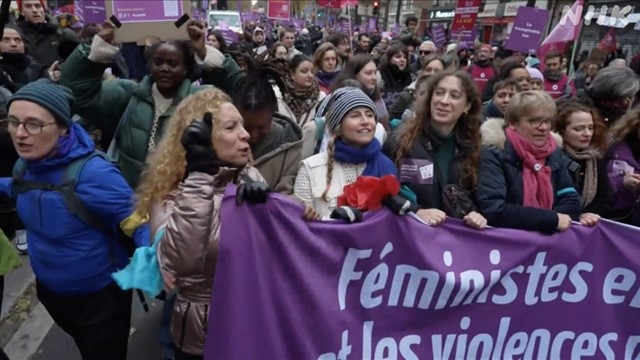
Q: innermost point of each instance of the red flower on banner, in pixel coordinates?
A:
(367, 192)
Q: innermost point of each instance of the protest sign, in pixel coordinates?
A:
(139, 19)
(392, 287)
(372, 24)
(527, 30)
(463, 27)
(438, 35)
(91, 11)
(279, 9)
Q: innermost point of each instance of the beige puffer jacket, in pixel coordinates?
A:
(188, 249)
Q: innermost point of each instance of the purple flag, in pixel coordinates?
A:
(527, 30)
(392, 287)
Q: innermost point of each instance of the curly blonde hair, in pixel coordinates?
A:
(165, 167)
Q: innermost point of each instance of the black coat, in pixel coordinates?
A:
(500, 192)
(604, 201)
(429, 195)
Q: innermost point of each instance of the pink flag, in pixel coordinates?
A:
(563, 33)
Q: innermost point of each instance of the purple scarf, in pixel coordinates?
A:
(326, 79)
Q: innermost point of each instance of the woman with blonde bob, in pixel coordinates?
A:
(524, 179)
(204, 149)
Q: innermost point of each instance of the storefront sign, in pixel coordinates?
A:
(488, 11)
(441, 14)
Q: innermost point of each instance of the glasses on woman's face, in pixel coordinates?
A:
(32, 127)
(538, 122)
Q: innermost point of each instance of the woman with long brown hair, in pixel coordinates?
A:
(584, 138)
(437, 152)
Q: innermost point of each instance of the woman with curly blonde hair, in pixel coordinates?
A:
(437, 152)
(204, 148)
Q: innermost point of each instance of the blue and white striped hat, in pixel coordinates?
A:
(341, 102)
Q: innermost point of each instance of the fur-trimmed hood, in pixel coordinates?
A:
(492, 132)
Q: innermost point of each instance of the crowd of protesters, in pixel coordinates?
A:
(470, 131)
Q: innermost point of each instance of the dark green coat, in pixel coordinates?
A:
(103, 104)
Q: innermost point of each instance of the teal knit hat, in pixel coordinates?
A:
(57, 99)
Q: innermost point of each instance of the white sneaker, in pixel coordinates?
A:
(21, 241)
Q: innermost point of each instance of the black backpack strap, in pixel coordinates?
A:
(71, 199)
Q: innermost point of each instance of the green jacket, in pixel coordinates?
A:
(103, 104)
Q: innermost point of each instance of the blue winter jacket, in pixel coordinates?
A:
(68, 256)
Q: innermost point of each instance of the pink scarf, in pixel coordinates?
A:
(536, 175)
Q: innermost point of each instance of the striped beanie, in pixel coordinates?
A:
(341, 102)
(57, 99)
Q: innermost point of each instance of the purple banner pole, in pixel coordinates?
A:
(392, 287)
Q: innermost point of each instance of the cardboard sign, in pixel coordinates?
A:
(137, 20)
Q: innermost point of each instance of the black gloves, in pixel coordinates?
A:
(347, 213)
(196, 141)
(253, 192)
(399, 205)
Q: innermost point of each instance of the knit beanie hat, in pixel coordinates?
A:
(535, 74)
(57, 99)
(342, 102)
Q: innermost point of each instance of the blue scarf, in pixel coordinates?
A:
(378, 164)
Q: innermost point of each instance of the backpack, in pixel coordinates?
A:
(72, 201)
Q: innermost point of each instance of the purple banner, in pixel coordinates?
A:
(91, 11)
(392, 287)
(527, 30)
(438, 35)
(135, 11)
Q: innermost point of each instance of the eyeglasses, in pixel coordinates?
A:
(31, 127)
(425, 52)
(536, 123)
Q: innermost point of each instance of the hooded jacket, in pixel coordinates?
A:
(69, 256)
(278, 155)
(500, 191)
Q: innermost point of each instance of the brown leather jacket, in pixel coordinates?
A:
(188, 249)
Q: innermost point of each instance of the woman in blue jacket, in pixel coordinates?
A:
(74, 244)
